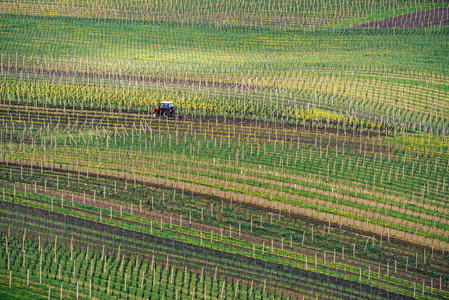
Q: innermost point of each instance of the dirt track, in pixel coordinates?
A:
(421, 19)
(267, 205)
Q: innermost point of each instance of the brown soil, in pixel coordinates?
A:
(267, 206)
(105, 204)
(284, 193)
(161, 262)
(162, 79)
(263, 130)
(421, 19)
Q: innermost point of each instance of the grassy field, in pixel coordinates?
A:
(306, 159)
(248, 13)
(384, 75)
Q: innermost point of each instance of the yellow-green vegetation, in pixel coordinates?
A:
(306, 158)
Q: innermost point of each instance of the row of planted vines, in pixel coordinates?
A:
(307, 158)
(233, 197)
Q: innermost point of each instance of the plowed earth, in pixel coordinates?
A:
(421, 19)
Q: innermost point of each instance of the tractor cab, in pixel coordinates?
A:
(165, 109)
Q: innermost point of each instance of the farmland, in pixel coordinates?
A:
(308, 157)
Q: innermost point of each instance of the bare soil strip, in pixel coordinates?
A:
(421, 19)
(273, 205)
(252, 189)
(146, 256)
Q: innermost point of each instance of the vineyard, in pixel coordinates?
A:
(308, 157)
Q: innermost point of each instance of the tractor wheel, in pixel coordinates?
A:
(166, 114)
